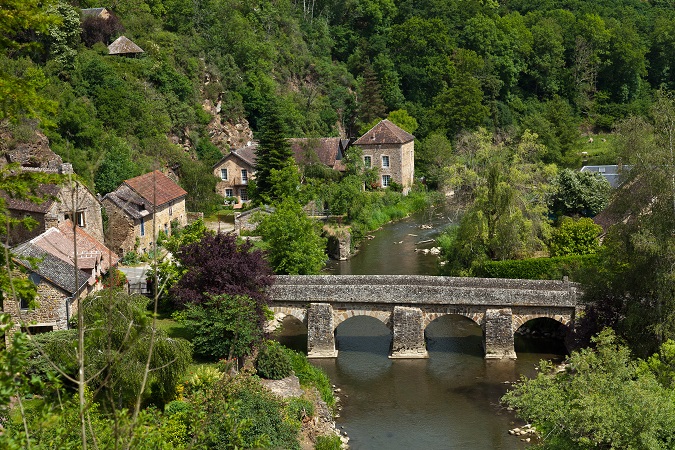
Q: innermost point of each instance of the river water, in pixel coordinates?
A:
(448, 401)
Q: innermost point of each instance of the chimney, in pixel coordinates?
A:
(66, 168)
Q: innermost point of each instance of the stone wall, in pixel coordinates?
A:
(428, 290)
(401, 162)
(78, 198)
(120, 236)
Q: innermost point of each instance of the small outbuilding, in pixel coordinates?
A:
(125, 47)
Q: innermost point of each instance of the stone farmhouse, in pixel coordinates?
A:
(49, 260)
(326, 151)
(138, 205)
(385, 146)
(234, 171)
(391, 150)
(70, 200)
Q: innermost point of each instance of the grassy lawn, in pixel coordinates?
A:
(173, 329)
(600, 151)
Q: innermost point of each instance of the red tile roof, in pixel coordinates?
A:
(155, 185)
(385, 132)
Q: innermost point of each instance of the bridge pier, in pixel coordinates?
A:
(408, 341)
(498, 334)
(320, 331)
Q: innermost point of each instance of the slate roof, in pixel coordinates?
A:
(245, 154)
(327, 151)
(44, 191)
(123, 46)
(50, 267)
(130, 202)
(611, 172)
(155, 186)
(385, 132)
(92, 12)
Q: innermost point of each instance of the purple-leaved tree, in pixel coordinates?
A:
(216, 265)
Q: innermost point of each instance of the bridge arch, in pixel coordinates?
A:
(430, 315)
(341, 315)
(280, 312)
(521, 319)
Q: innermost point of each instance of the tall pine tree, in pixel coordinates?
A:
(273, 153)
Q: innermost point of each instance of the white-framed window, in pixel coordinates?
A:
(79, 218)
(243, 194)
(223, 174)
(142, 227)
(368, 161)
(385, 161)
(386, 180)
(244, 175)
(229, 193)
(171, 210)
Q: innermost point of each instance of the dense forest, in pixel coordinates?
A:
(558, 68)
(507, 99)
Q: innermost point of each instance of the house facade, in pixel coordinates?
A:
(140, 209)
(234, 171)
(49, 262)
(70, 200)
(390, 150)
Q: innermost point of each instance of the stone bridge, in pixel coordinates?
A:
(408, 303)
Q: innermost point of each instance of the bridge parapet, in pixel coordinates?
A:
(408, 303)
(423, 290)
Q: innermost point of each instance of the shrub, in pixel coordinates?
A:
(575, 237)
(130, 258)
(203, 378)
(331, 442)
(299, 408)
(310, 375)
(273, 362)
(536, 268)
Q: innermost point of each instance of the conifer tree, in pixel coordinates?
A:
(273, 152)
(371, 105)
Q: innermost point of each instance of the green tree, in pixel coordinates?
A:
(292, 240)
(116, 166)
(601, 400)
(117, 346)
(273, 152)
(575, 237)
(579, 193)
(634, 290)
(223, 327)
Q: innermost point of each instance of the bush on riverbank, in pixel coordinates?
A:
(310, 375)
(554, 268)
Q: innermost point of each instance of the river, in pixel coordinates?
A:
(448, 401)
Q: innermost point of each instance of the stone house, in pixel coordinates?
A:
(49, 261)
(124, 46)
(326, 151)
(101, 13)
(138, 205)
(391, 150)
(68, 200)
(234, 171)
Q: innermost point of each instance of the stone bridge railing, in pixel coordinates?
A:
(408, 303)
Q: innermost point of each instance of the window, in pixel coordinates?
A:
(386, 179)
(385, 161)
(244, 175)
(79, 218)
(223, 174)
(229, 193)
(142, 227)
(243, 193)
(171, 210)
(368, 162)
